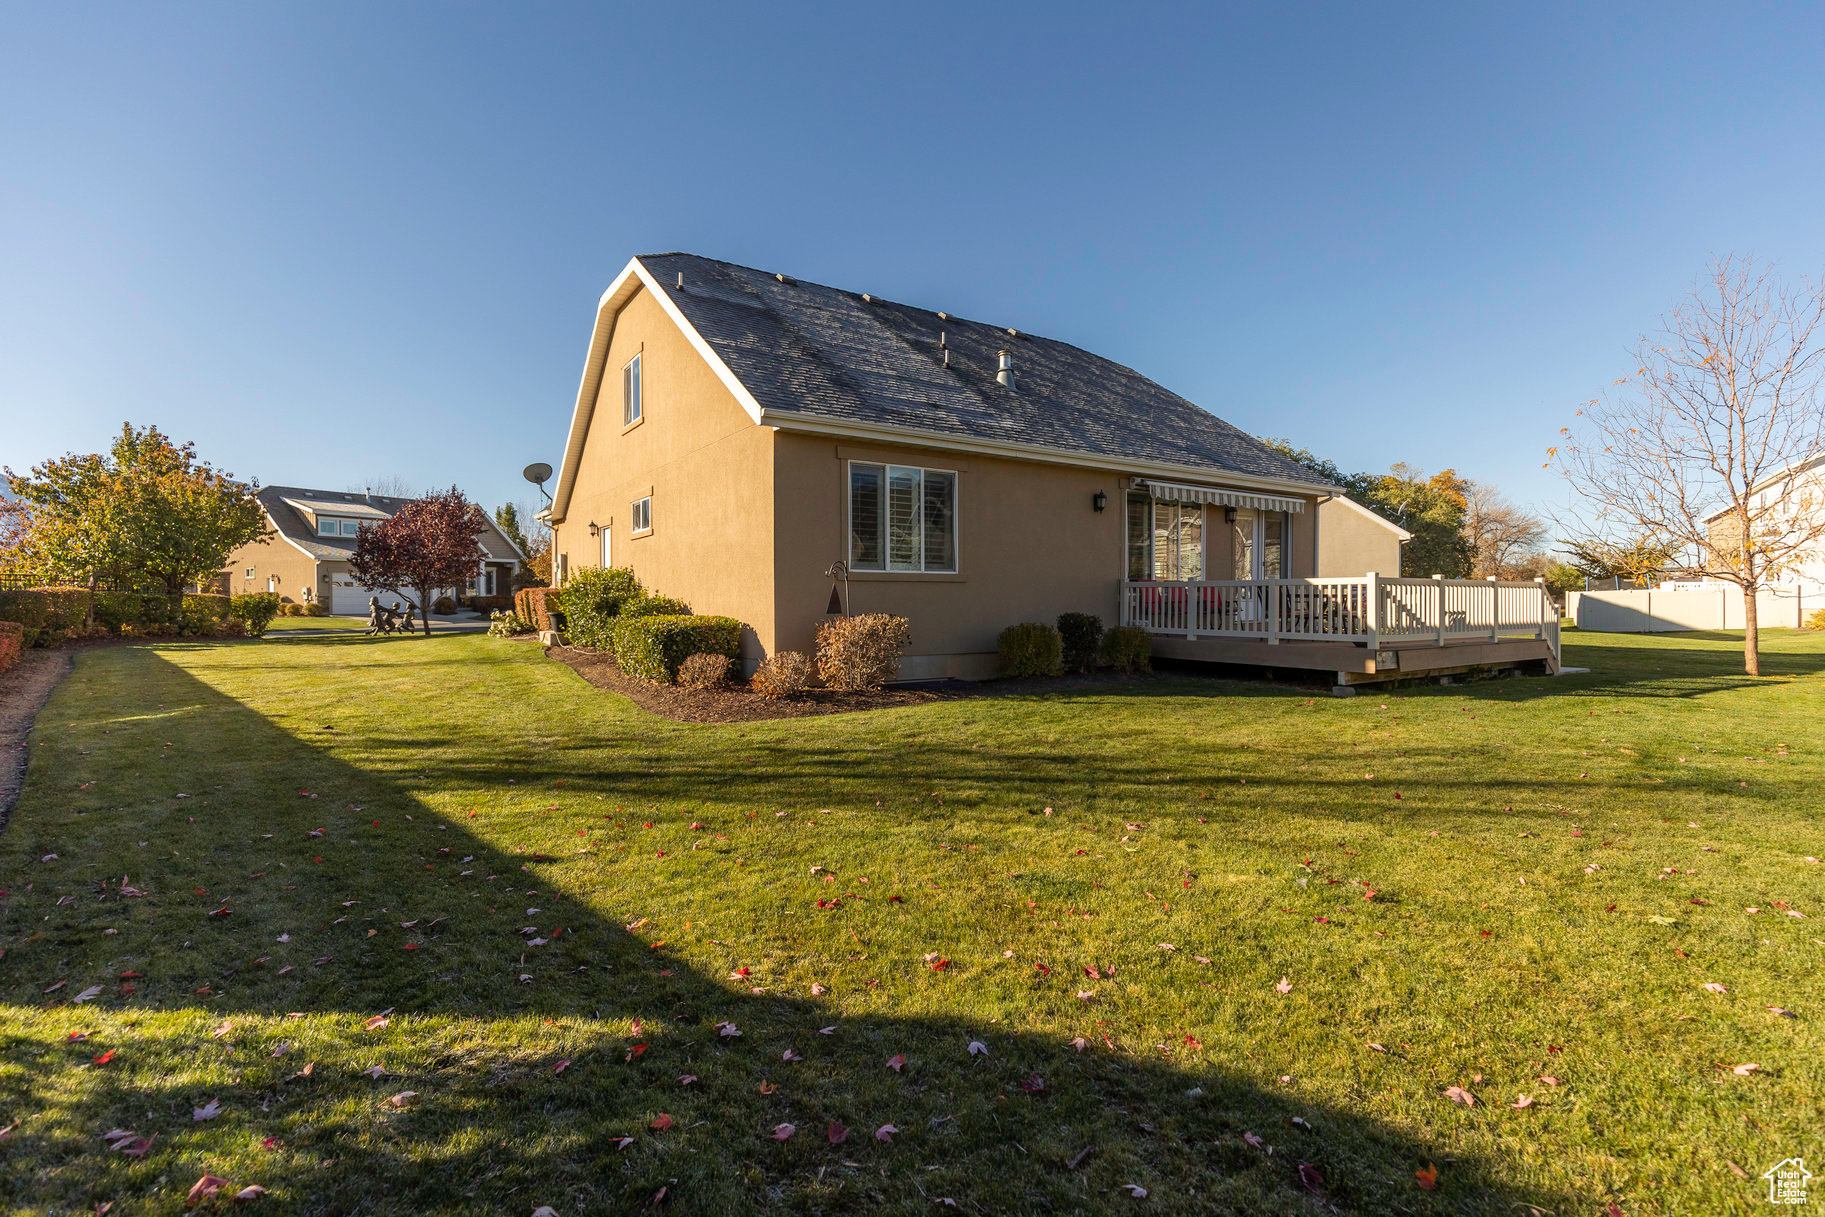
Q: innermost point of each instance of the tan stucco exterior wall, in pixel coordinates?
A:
(1351, 544)
(295, 569)
(707, 466)
(1030, 545)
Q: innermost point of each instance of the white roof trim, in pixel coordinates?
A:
(1375, 516)
(1176, 492)
(632, 278)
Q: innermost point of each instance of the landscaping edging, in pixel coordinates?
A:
(24, 688)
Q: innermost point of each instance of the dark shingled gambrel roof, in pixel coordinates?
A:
(829, 354)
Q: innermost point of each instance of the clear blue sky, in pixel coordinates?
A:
(330, 242)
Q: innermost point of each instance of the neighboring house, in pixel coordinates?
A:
(737, 434)
(1794, 501)
(306, 559)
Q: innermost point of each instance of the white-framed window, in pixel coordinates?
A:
(640, 519)
(630, 392)
(902, 518)
(250, 572)
(328, 527)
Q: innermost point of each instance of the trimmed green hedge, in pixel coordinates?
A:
(52, 609)
(653, 647)
(1128, 648)
(254, 610)
(594, 598)
(1031, 648)
(1080, 633)
(655, 605)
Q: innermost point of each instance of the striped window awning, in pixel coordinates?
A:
(1177, 492)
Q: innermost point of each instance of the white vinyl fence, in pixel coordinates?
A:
(1718, 607)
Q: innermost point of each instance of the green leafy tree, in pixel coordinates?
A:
(507, 519)
(178, 518)
(64, 524)
(1432, 509)
(1636, 559)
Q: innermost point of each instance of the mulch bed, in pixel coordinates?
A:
(735, 704)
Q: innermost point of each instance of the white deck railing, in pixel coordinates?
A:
(1370, 610)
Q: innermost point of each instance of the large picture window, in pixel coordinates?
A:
(1165, 539)
(902, 518)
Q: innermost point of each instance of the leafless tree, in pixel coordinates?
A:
(1501, 534)
(1702, 448)
(388, 486)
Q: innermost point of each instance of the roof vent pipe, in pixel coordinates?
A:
(367, 492)
(1005, 372)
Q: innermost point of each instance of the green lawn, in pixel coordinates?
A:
(260, 845)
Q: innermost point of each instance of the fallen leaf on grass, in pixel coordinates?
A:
(782, 1132)
(1523, 1101)
(88, 994)
(545, 1210)
(203, 1189)
(978, 1048)
(252, 1191)
(1427, 1176)
(837, 1133)
(1457, 1094)
(379, 1020)
(1135, 1190)
(1743, 1071)
(1253, 1140)
(402, 1099)
(1308, 1175)
(1736, 1170)
(1782, 1012)
(56, 985)
(663, 1122)
(1284, 987)
(896, 1062)
(885, 1133)
(1712, 986)
(207, 1111)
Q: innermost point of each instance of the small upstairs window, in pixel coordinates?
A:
(630, 392)
(642, 515)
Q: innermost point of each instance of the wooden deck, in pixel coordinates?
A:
(1361, 630)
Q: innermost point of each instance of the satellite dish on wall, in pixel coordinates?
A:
(538, 472)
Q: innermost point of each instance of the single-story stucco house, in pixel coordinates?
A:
(314, 532)
(740, 435)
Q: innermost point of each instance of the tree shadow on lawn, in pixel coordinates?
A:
(494, 1128)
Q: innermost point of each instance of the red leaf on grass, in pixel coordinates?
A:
(885, 1133)
(1308, 1175)
(837, 1133)
(896, 1061)
(663, 1122)
(105, 1057)
(203, 1189)
(1427, 1176)
(782, 1132)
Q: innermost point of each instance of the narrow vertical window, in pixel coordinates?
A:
(606, 552)
(940, 522)
(630, 392)
(865, 517)
(1140, 548)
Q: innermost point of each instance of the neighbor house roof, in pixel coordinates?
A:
(803, 356)
(286, 507)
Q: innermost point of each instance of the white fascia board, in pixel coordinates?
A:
(633, 277)
(908, 437)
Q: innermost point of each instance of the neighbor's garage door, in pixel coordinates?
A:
(351, 600)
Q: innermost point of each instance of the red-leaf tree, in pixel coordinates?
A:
(429, 544)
